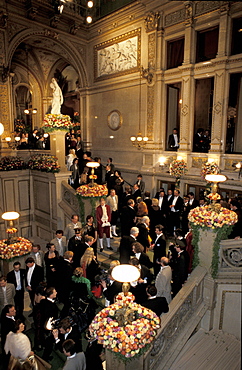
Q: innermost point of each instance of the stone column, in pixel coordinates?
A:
(219, 117)
(112, 362)
(57, 147)
(205, 245)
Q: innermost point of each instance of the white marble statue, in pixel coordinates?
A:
(57, 100)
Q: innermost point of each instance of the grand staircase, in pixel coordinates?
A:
(213, 350)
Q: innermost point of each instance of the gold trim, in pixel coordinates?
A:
(117, 40)
(112, 122)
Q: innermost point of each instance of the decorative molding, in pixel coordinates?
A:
(150, 111)
(217, 107)
(202, 7)
(4, 107)
(118, 56)
(184, 110)
(152, 21)
(175, 17)
(221, 319)
(197, 162)
(3, 19)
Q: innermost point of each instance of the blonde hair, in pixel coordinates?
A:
(72, 151)
(114, 263)
(78, 272)
(155, 202)
(87, 256)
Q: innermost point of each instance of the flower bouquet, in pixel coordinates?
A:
(20, 248)
(212, 217)
(91, 192)
(53, 122)
(11, 164)
(11, 230)
(178, 168)
(132, 339)
(44, 163)
(209, 167)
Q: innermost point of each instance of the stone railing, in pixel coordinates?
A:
(185, 313)
(230, 255)
(69, 202)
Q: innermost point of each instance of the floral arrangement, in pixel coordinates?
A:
(11, 164)
(217, 219)
(54, 122)
(178, 168)
(206, 217)
(44, 162)
(90, 192)
(209, 167)
(131, 340)
(213, 197)
(20, 248)
(11, 230)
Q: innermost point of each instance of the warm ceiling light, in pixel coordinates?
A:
(34, 110)
(9, 216)
(90, 4)
(17, 138)
(93, 164)
(89, 19)
(26, 111)
(8, 139)
(1, 128)
(125, 273)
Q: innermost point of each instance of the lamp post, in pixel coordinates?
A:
(92, 177)
(10, 217)
(125, 274)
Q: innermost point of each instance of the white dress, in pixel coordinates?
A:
(18, 345)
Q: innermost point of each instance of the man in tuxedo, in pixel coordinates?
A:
(159, 248)
(48, 309)
(7, 324)
(138, 288)
(126, 196)
(17, 278)
(143, 258)
(180, 271)
(156, 304)
(173, 140)
(192, 203)
(125, 247)
(141, 184)
(127, 217)
(147, 199)
(176, 207)
(38, 255)
(137, 193)
(66, 331)
(70, 228)
(59, 242)
(112, 289)
(34, 275)
(77, 246)
(163, 203)
(163, 280)
(65, 271)
(7, 292)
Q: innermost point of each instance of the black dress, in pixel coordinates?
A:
(51, 265)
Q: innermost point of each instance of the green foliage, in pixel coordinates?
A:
(221, 234)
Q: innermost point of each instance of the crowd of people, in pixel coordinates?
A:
(154, 237)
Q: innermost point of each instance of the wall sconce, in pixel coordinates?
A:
(238, 166)
(1, 129)
(162, 162)
(13, 145)
(30, 110)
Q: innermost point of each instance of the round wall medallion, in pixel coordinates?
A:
(115, 120)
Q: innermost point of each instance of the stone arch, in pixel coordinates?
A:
(73, 56)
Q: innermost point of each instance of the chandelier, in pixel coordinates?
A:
(139, 141)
